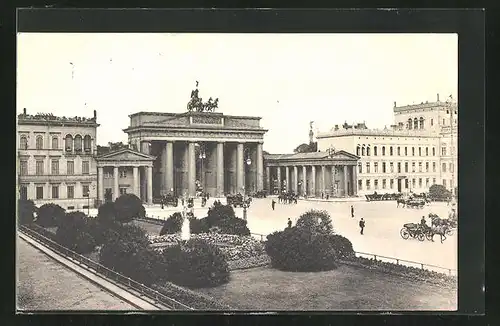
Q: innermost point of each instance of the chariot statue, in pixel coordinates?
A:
(196, 103)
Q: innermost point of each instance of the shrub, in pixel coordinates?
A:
(217, 213)
(343, 246)
(127, 207)
(50, 215)
(316, 221)
(101, 230)
(26, 210)
(236, 226)
(301, 249)
(73, 233)
(439, 192)
(223, 217)
(196, 264)
(106, 213)
(198, 226)
(173, 224)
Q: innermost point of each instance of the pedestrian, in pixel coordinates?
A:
(362, 225)
(322, 195)
(161, 203)
(352, 211)
(273, 203)
(289, 223)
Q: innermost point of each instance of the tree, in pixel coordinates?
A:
(26, 210)
(306, 148)
(439, 192)
(49, 215)
(173, 224)
(106, 213)
(128, 207)
(316, 221)
(73, 233)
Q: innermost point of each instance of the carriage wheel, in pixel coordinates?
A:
(429, 235)
(404, 233)
(421, 236)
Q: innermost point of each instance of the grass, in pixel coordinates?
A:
(346, 288)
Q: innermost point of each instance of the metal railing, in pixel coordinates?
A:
(98, 269)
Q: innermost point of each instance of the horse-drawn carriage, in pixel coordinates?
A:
(447, 224)
(417, 231)
(237, 200)
(412, 202)
(167, 200)
(260, 194)
(380, 197)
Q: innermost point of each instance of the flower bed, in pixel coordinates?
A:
(195, 300)
(245, 263)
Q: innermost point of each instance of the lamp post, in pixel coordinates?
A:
(88, 199)
(248, 161)
(202, 156)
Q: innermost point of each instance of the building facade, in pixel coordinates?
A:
(200, 151)
(56, 159)
(419, 150)
(315, 174)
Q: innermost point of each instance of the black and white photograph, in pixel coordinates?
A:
(237, 172)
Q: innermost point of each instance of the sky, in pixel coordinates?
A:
(287, 79)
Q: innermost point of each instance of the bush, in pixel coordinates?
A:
(128, 207)
(173, 224)
(236, 226)
(217, 213)
(106, 213)
(439, 192)
(49, 215)
(101, 230)
(73, 233)
(316, 221)
(223, 218)
(343, 246)
(26, 210)
(301, 249)
(198, 226)
(196, 264)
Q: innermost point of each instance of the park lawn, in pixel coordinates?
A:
(346, 288)
(150, 228)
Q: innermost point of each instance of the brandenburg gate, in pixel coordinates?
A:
(195, 150)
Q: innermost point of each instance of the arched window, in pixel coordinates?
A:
(357, 151)
(427, 151)
(69, 143)
(87, 143)
(368, 151)
(415, 123)
(39, 142)
(421, 123)
(410, 124)
(433, 151)
(383, 150)
(55, 142)
(375, 150)
(78, 143)
(399, 151)
(24, 142)
(363, 151)
(391, 151)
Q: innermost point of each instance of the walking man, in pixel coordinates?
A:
(362, 225)
(352, 211)
(289, 223)
(273, 203)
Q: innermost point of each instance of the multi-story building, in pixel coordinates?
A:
(419, 150)
(56, 159)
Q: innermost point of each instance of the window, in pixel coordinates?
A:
(68, 143)
(87, 143)
(357, 151)
(384, 183)
(420, 151)
(384, 167)
(375, 167)
(368, 185)
(432, 122)
(123, 173)
(39, 192)
(55, 167)
(55, 142)
(426, 166)
(70, 168)
(85, 190)
(413, 167)
(363, 151)
(451, 183)
(433, 151)
(39, 167)
(407, 184)
(123, 191)
(444, 182)
(451, 167)
(443, 168)
(391, 183)
(399, 167)
(414, 183)
(375, 151)
(78, 143)
(368, 167)
(421, 123)
(433, 166)
(23, 168)
(399, 151)
(24, 142)
(413, 151)
(85, 167)
(427, 182)
(391, 167)
(23, 193)
(55, 192)
(419, 166)
(406, 167)
(108, 174)
(410, 125)
(360, 184)
(391, 151)
(427, 151)
(71, 191)
(360, 168)
(420, 182)
(444, 122)
(443, 151)
(383, 150)
(406, 151)
(39, 142)
(375, 184)
(415, 123)
(433, 181)
(368, 151)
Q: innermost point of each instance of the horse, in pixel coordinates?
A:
(440, 230)
(401, 201)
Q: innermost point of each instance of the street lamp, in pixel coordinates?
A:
(248, 161)
(202, 156)
(88, 199)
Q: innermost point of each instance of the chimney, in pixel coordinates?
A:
(438, 97)
(24, 111)
(95, 114)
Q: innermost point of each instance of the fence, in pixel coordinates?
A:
(97, 268)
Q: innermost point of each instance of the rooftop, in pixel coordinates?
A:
(50, 118)
(377, 132)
